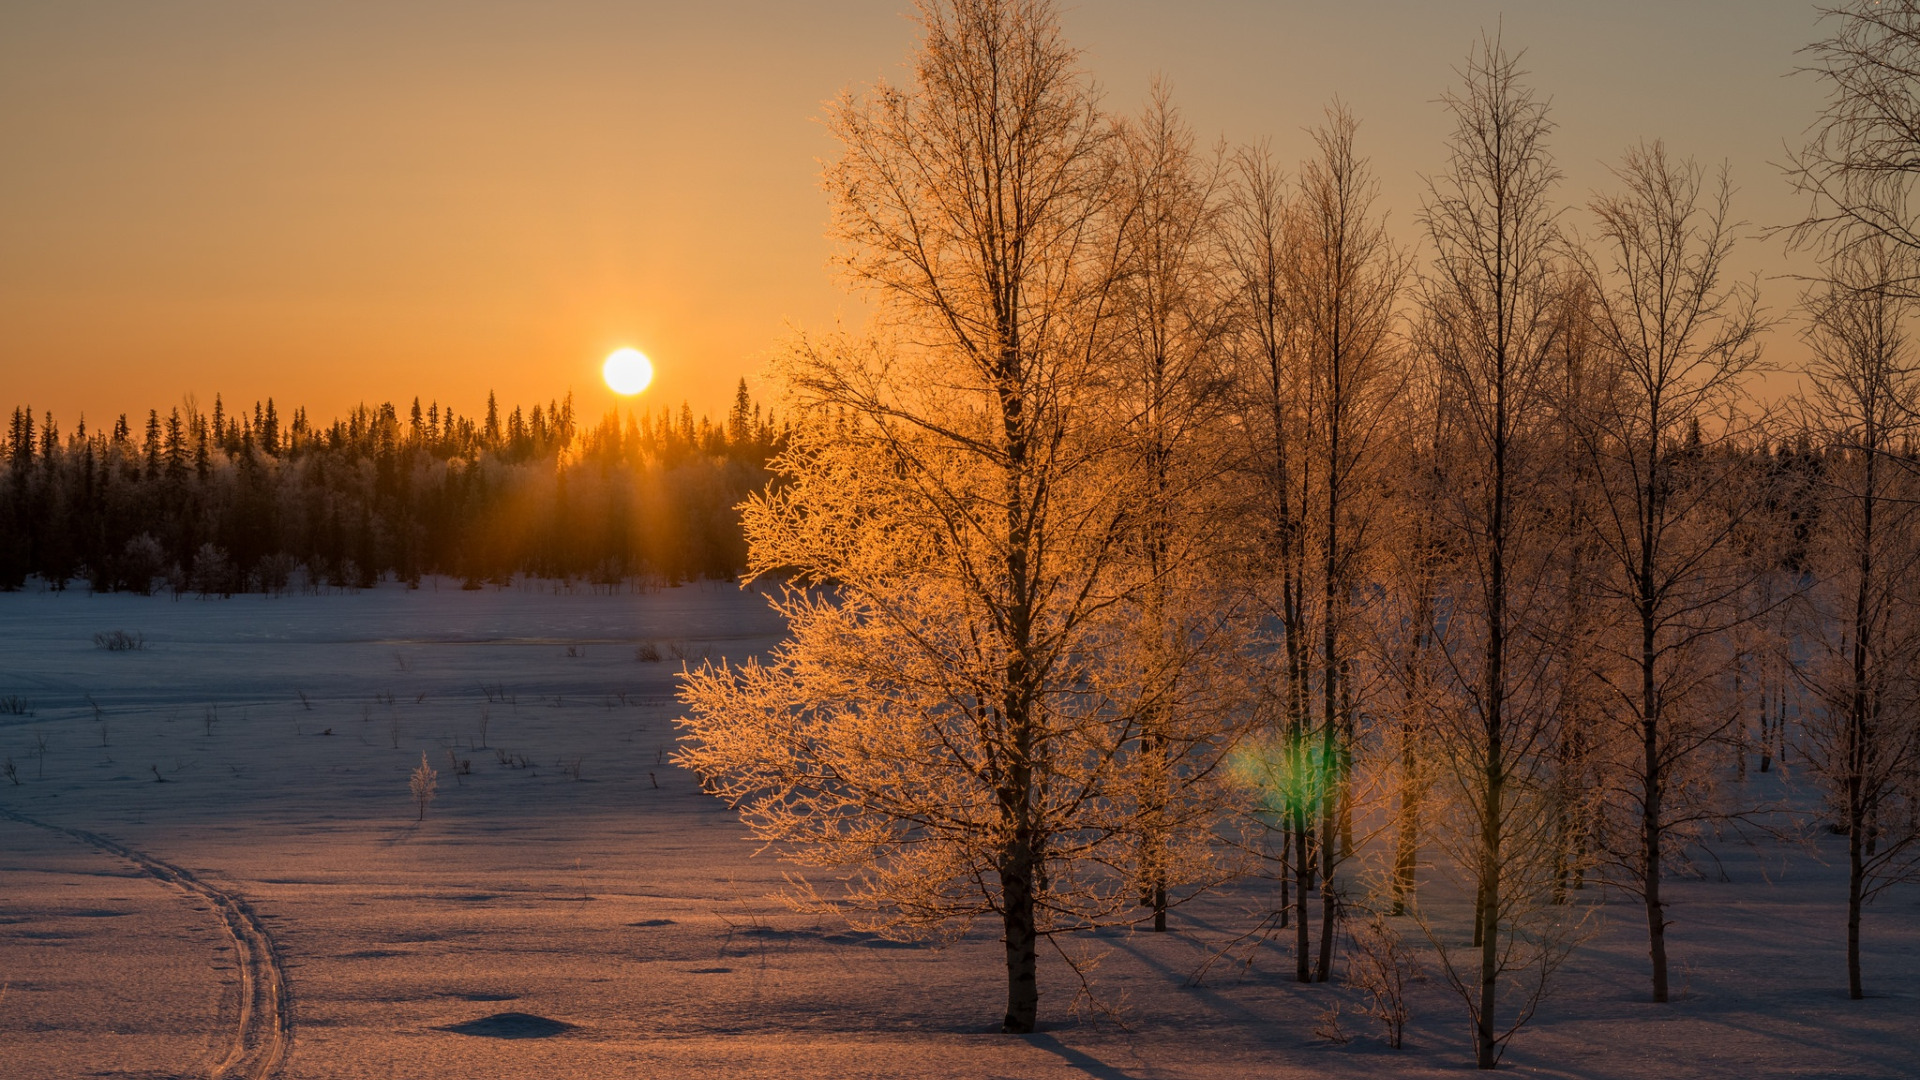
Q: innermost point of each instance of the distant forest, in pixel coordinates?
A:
(237, 501)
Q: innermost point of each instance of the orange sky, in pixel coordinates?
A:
(330, 203)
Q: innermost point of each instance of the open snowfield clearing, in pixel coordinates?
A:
(576, 906)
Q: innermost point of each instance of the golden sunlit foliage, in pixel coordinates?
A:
(1006, 697)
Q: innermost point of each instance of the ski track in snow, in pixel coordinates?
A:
(265, 1026)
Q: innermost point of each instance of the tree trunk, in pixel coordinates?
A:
(1487, 918)
(1651, 825)
(1859, 730)
(1286, 874)
(1021, 859)
(1406, 834)
(1412, 781)
(1329, 788)
(1739, 703)
(1157, 840)
(1023, 987)
(1303, 943)
(1855, 881)
(1329, 897)
(1493, 792)
(1766, 729)
(1780, 722)
(1306, 858)
(1346, 761)
(1656, 918)
(1153, 844)
(1493, 789)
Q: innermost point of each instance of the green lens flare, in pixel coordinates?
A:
(1291, 773)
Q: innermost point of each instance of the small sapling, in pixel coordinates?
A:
(424, 784)
(1380, 968)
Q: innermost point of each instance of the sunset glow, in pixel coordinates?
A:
(627, 371)
(1222, 540)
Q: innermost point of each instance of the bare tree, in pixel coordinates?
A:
(1345, 278)
(1169, 378)
(955, 720)
(1406, 626)
(1321, 369)
(1488, 321)
(1861, 737)
(1273, 403)
(1860, 162)
(1583, 374)
(1670, 505)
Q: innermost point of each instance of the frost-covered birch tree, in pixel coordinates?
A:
(1167, 376)
(1861, 682)
(1345, 276)
(1273, 493)
(1489, 312)
(1320, 370)
(1861, 160)
(953, 726)
(1671, 510)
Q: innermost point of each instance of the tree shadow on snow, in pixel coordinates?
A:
(1079, 1059)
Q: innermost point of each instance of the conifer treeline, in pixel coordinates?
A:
(239, 501)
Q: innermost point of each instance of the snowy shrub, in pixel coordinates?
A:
(1380, 968)
(119, 641)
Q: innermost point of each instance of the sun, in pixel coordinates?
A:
(627, 371)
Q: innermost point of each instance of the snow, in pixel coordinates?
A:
(619, 923)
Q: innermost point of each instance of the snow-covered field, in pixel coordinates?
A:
(582, 910)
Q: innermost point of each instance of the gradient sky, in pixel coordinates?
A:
(343, 202)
